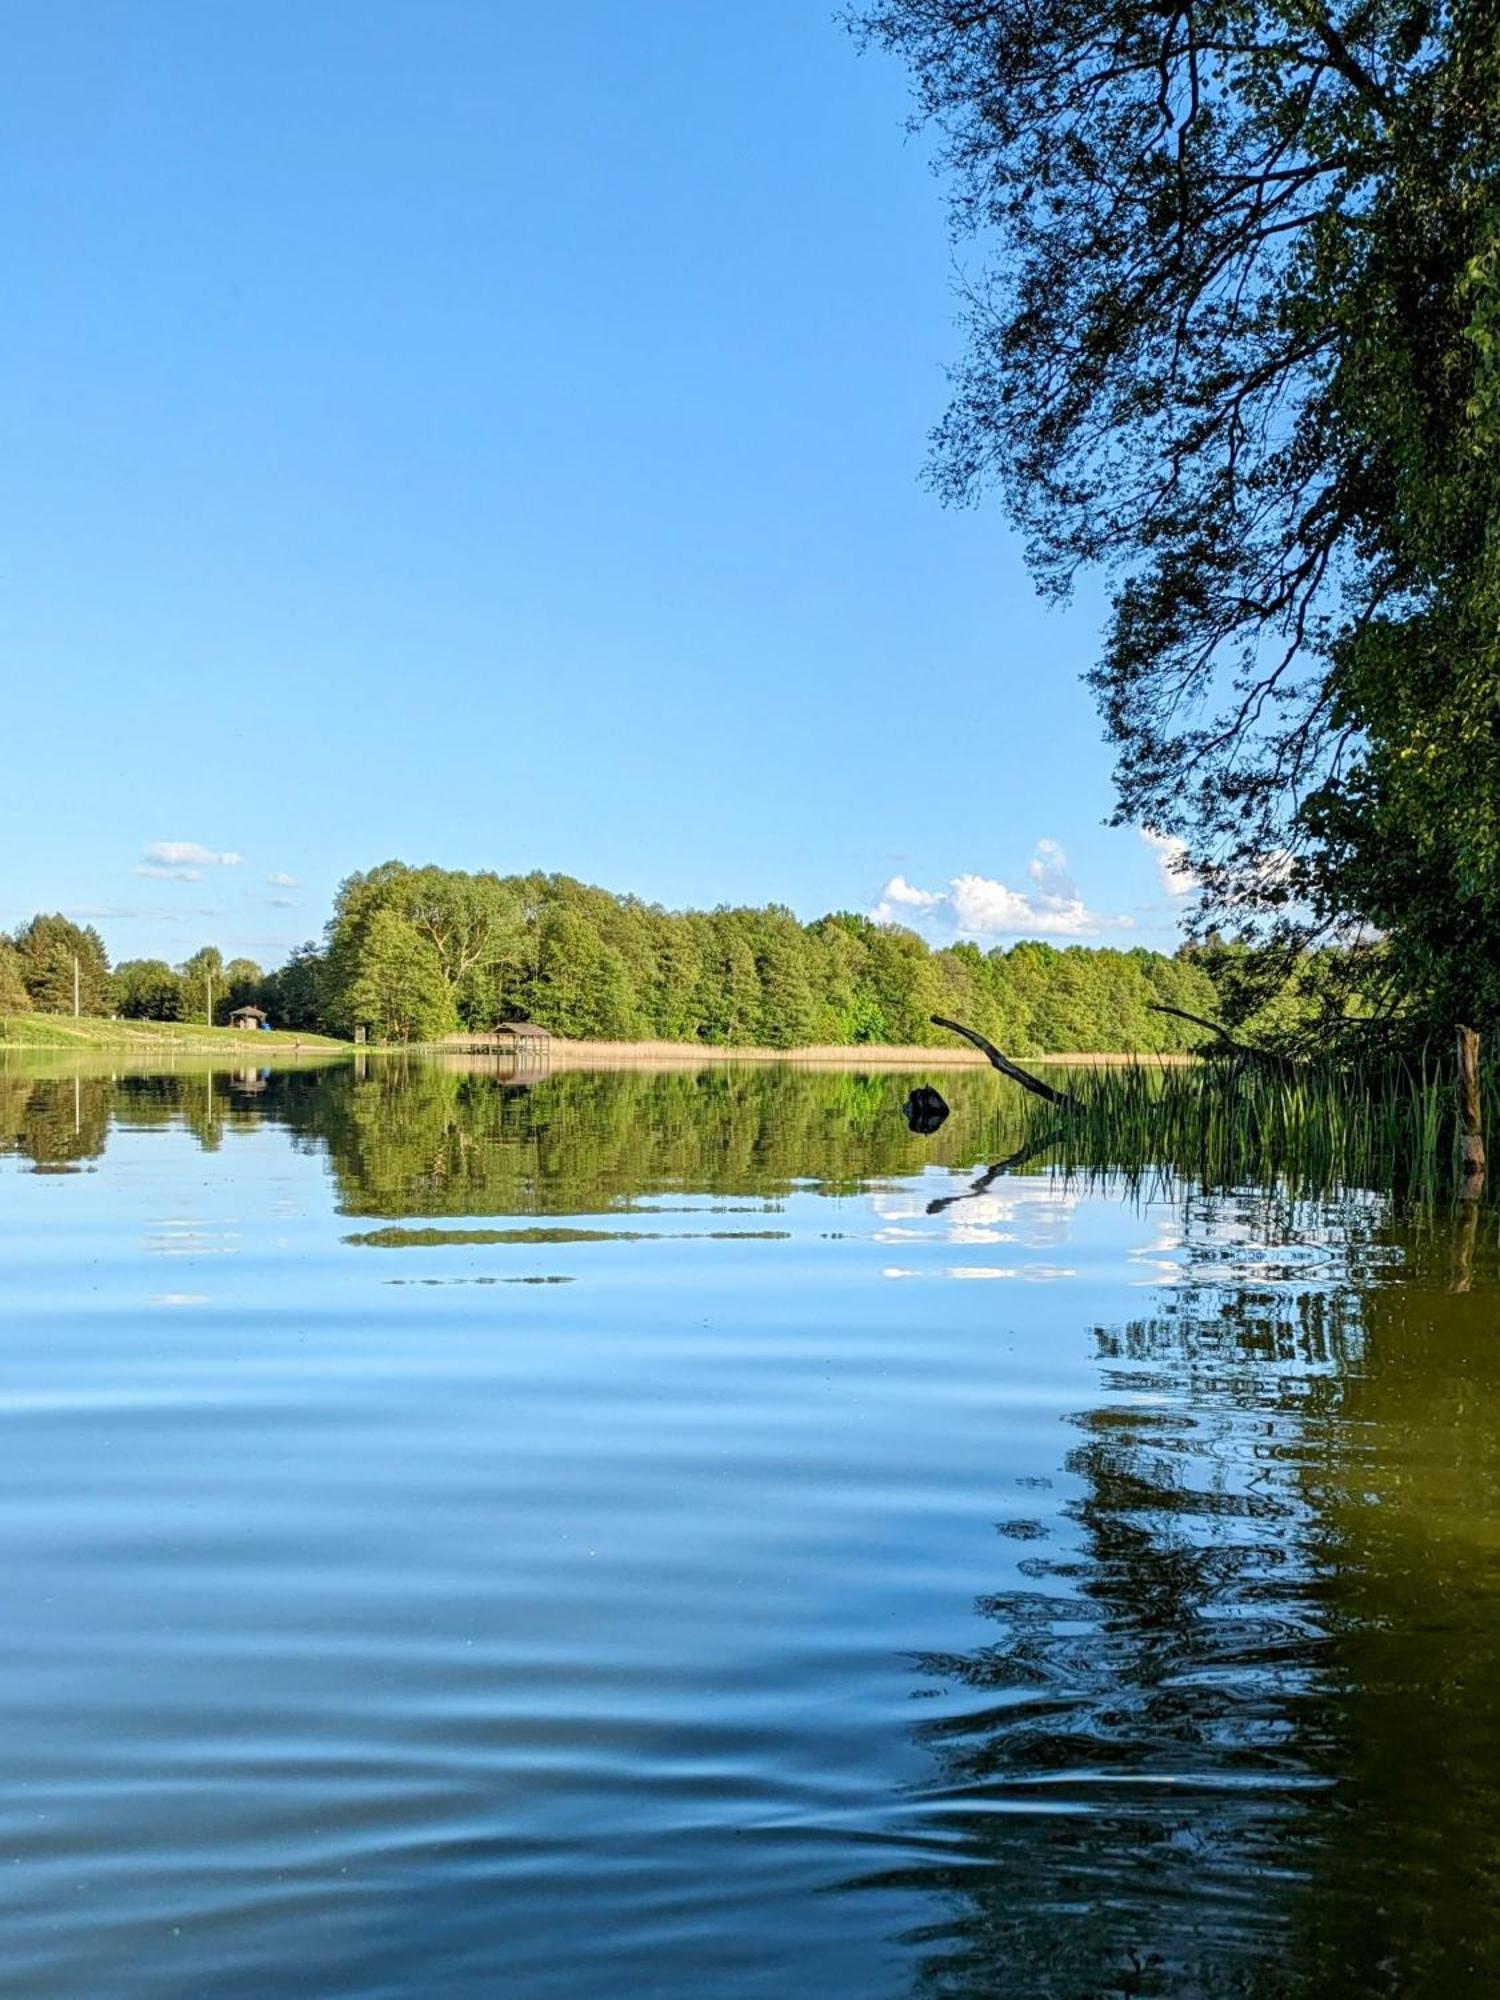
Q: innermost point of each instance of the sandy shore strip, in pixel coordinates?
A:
(697, 1055)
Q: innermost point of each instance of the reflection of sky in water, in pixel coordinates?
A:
(543, 1604)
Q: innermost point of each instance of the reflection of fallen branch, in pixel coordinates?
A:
(1007, 1068)
(991, 1174)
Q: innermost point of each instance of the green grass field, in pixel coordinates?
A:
(61, 1031)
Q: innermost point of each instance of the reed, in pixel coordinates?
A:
(1310, 1128)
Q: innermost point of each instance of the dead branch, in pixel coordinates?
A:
(1006, 1067)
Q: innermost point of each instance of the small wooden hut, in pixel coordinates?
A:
(249, 1017)
(525, 1037)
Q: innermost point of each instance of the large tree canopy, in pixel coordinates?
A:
(1237, 348)
(62, 963)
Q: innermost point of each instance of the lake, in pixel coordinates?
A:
(670, 1534)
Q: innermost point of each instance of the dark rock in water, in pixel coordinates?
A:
(925, 1109)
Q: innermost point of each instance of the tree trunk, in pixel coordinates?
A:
(1470, 1136)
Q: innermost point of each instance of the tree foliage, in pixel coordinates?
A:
(295, 995)
(593, 966)
(1238, 349)
(203, 985)
(49, 949)
(14, 998)
(147, 989)
(399, 988)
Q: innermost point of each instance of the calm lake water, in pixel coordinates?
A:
(664, 1535)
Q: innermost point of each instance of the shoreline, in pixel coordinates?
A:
(690, 1055)
(55, 1034)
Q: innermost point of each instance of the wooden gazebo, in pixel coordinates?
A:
(249, 1017)
(525, 1037)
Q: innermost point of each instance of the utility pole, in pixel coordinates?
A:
(208, 974)
(75, 986)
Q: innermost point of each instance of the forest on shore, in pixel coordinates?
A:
(414, 954)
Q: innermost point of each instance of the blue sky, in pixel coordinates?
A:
(493, 435)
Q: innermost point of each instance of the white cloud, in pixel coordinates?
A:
(900, 902)
(282, 881)
(1177, 879)
(158, 874)
(989, 909)
(189, 854)
(978, 906)
(1048, 868)
(134, 912)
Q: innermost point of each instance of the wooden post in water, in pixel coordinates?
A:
(1470, 1134)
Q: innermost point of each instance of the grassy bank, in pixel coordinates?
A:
(62, 1031)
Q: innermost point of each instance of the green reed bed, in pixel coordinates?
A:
(1307, 1126)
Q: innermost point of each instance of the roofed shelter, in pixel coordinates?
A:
(525, 1037)
(249, 1017)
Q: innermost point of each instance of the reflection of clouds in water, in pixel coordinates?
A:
(1034, 1212)
(1161, 1256)
(1029, 1274)
(951, 1233)
(190, 1239)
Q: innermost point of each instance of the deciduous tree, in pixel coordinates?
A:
(147, 989)
(1236, 347)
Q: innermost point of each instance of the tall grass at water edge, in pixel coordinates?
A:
(1309, 1127)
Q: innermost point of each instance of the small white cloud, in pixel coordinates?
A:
(160, 874)
(189, 854)
(133, 912)
(1048, 868)
(1177, 879)
(281, 881)
(979, 906)
(984, 907)
(900, 902)
(988, 909)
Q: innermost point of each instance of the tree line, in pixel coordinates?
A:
(54, 966)
(413, 954)
(416, 953)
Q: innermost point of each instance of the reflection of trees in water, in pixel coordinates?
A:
(418, 1139)
(56, 1121)
(1408, 1893)
(58, 1124)
(1149, 1715)
(1238, 1736)
(433, 1143)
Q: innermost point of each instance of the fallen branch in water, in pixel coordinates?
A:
(1235, 1048)
(1006, 1067)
